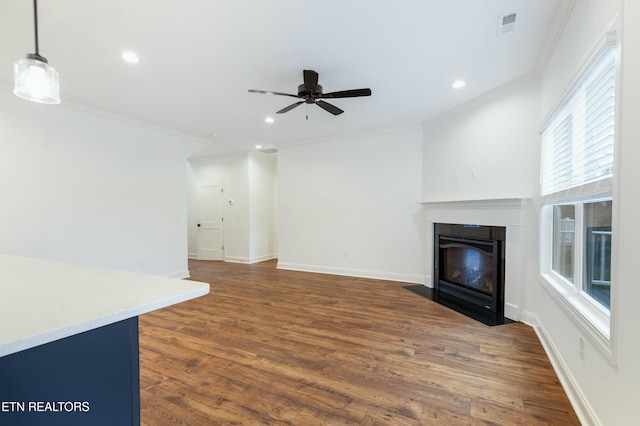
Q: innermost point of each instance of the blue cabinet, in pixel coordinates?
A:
(92, 378)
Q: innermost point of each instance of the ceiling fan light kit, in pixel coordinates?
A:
(34, 79)
(310, 92)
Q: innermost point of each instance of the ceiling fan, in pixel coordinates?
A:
(310, 92)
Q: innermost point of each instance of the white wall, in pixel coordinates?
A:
(262, 208)
(587, 22)
(83, 188)
(351, 206)
(485, 149)
(192, 212)
(249, 222)
(603, 392)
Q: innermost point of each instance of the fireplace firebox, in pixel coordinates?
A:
(469, 270)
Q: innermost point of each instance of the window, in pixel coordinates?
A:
(564, 218)
(592, 220)
(576, 188)
(597, 282)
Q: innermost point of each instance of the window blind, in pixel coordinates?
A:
(578, 140)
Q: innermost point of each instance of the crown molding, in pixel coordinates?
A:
(118, 117)
(556, 29)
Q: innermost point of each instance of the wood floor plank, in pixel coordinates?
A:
(277, 347)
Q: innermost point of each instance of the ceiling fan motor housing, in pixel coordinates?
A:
(303, 91)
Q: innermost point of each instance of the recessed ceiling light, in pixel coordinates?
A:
(268, 120)
(130, 57)
(258, 146)
(458, 84)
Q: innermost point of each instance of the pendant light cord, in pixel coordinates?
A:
(35, 22)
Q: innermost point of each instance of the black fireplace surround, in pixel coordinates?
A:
(469, 270)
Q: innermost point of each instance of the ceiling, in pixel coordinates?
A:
(198, 58)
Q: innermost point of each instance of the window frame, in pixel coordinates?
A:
(595, 320)
(598, 313)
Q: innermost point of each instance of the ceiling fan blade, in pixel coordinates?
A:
(264, 92)
(290, 107)
(328, 107)
(310, 80)
(347, 94)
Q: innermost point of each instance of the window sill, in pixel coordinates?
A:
(594, 323)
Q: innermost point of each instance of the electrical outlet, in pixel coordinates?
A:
(582, 348)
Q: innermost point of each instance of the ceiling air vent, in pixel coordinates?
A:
(506, 23)
(269, 150)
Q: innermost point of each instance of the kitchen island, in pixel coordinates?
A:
(69, 340)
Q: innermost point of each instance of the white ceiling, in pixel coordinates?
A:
(199, 58)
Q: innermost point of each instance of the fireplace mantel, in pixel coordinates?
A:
(496, 211)
(508, 212)
(489, 202)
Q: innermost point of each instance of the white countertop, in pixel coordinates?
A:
(42, 301)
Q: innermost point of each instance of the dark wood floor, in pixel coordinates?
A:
(276, 347)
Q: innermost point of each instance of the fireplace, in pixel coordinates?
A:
(517, 215)
(469, 270)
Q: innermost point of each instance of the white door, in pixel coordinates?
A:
(210, 222)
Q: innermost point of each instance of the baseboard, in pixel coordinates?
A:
(360, 273)
(512, 311)
(427, 280)
(580, 404)
(262, 258)
(530, 319)
(239, 259)
(178, 274)
(236, 259)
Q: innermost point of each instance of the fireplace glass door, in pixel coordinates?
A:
(470, 264)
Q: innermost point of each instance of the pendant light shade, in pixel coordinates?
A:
(36, 80)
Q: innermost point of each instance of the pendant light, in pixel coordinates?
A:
(36, 80)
